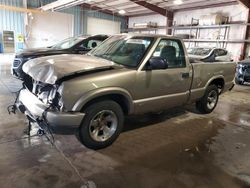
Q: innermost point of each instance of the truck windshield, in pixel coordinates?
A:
(123, 50)
(199, 51)
(67, 43)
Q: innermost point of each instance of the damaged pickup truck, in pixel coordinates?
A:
(127, 74)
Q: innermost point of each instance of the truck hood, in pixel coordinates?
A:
(53, 68)
(38, 52)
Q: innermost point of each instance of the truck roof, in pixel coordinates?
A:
(150, 35)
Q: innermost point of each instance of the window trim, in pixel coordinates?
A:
(153, 48)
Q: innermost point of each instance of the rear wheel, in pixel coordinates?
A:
(102, 124)
(209, 101)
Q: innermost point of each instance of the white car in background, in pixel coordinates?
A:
(208, 54)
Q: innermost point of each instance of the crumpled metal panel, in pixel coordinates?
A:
(52, 68)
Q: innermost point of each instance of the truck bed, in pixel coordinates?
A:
(204, 73)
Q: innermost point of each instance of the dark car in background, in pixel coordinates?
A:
(243, 72)
(73, 45)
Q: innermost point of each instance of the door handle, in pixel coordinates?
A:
(185, 74)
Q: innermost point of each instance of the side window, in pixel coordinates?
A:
(222, 52)
(90, 44)
(172, 52)
(93, 43)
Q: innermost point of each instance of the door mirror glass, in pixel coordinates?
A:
(157, 63)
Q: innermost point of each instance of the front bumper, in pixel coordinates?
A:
(36, 110)
(243, 77)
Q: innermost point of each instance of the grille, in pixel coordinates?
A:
(248, 69)
(17, 62)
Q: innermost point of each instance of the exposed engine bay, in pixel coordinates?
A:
(48, 94)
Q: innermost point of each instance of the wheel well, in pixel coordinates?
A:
(219, 82)
(120, 99)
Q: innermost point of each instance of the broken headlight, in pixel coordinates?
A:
(49, 94)
(58, 99)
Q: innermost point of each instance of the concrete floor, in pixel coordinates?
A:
(179, 148)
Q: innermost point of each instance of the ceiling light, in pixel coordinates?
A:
(122, 12)
(178, 2)
(62, 4)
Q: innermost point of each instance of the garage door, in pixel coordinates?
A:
(101, 26)
(48, 28)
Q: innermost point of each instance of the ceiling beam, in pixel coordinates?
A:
(19, 9)
(246, 3)
(154, 8)
(207, 6)
(141, 14)
(101, 2)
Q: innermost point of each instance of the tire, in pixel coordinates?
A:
(209, 101)
(101, 125)
(238, 82)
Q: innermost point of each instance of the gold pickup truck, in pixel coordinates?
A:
(127, 74)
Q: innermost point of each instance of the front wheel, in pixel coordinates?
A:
(209, 101)
(102, 124)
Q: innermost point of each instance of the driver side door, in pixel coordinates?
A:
(164, 88)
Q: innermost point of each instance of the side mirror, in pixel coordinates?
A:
(157, 63)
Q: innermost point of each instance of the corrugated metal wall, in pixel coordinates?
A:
(38, 3)
(80, 16)
(78, 19)
(76, 11)
(12, 21)
(95, 14)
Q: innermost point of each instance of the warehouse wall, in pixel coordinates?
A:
(12, 21)
(95, 14)
(75, 11)
(42, 34)
(157, 18)
(108, 27)
(236, 13)
(81, 16)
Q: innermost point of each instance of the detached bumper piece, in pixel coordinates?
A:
(39, 112)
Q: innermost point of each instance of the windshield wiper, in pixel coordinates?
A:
(104, 56)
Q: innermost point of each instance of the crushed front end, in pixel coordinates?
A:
(43, 104)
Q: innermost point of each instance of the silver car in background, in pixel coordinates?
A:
(208, 54)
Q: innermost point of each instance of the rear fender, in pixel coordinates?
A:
(212, 79)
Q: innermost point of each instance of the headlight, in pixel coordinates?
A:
(240, 71)
(239, 67)
(59, 98)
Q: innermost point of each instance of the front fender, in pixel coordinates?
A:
(84, 99)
